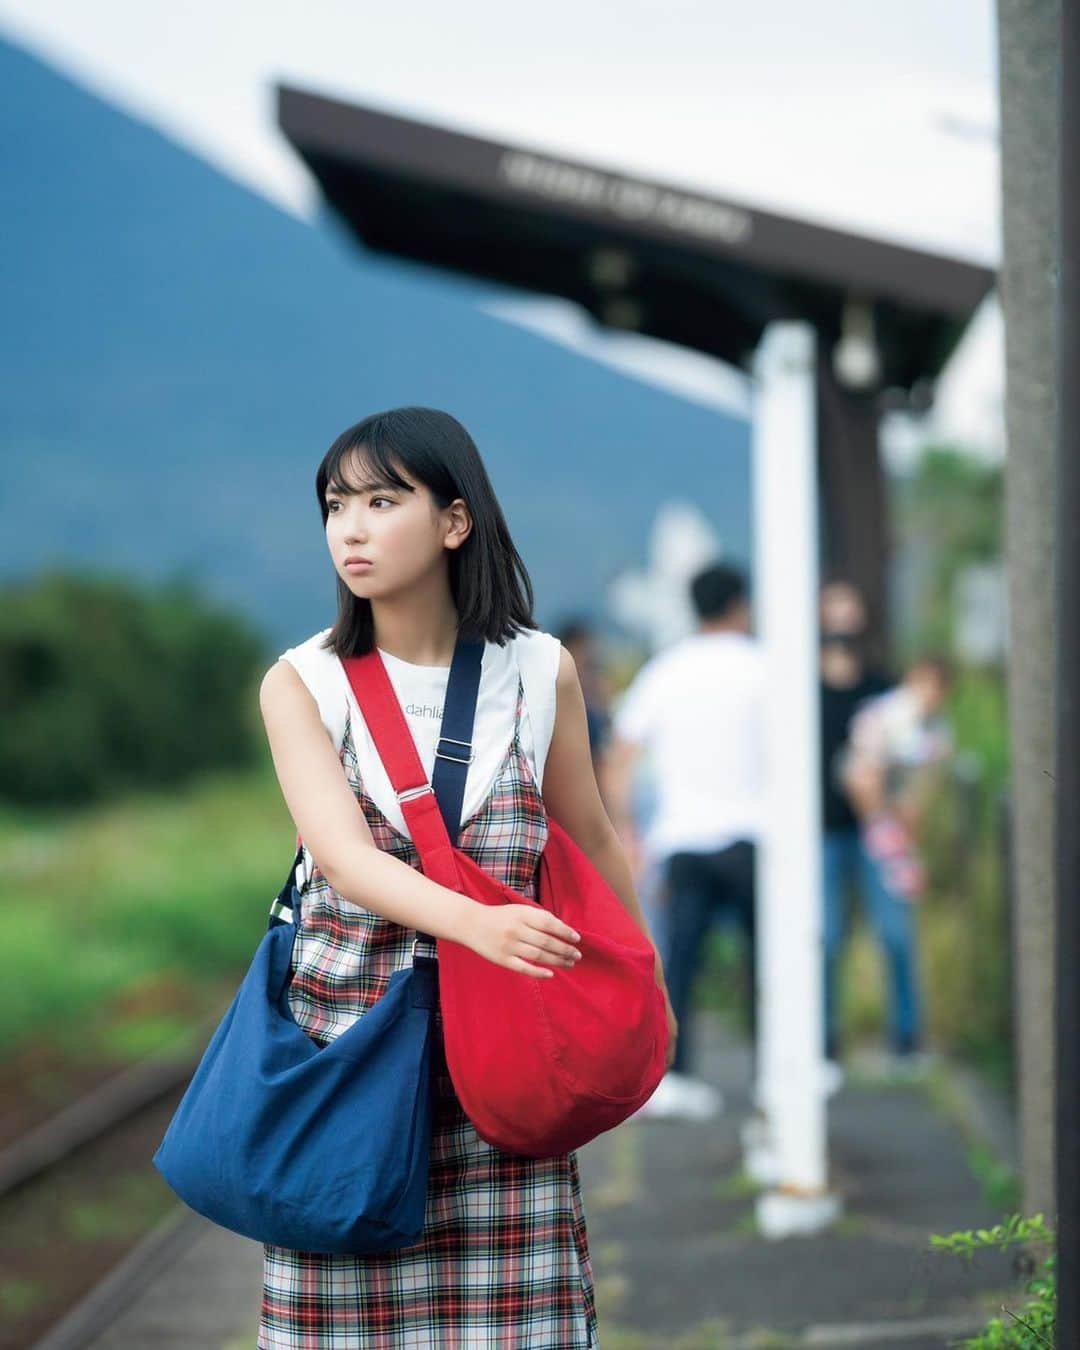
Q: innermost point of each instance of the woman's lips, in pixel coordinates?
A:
(360, 565)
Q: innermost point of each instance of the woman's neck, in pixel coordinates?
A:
(419, 628)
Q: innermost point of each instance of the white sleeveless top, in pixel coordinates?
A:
(421, 690)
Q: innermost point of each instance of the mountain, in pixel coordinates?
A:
(178, 353)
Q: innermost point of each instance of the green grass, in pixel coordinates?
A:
(19, 1295)
(109, 908)
(118, 905)
(738, 1185)
(127, 1209)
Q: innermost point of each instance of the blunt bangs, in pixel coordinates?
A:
(358, 463)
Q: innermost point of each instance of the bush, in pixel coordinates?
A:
(107, 686)
(1031, 1327)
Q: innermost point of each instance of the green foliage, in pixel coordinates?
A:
(959, 500)
(107, 686)
(949, 514)
(125, 918)
(1030, 1327)
(964, 922)
(19, 1294)
(978, 709)
(1000, 1183)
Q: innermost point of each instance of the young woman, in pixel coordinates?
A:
(422, 551)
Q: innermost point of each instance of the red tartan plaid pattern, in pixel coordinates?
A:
(503, 1263)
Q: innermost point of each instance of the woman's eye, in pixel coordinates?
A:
(388, 500)
(330, 507)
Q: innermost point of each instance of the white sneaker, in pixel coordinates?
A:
(832, 1076)
(680, 1097)
(911, 1067)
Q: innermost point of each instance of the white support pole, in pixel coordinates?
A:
(787, 1142)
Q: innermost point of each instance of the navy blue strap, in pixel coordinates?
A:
(283, 902)
(454, 751)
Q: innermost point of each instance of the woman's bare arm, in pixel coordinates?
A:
(616, 778)
(572, 797)
(332, 825)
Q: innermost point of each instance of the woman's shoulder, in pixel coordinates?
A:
(314, 662)
(321, 671)
(534, 644)
(310, 648)
(536, 654)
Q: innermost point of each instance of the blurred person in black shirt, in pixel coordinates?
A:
(846, 683)
(579, 639)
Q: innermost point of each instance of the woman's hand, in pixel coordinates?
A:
(525, 938)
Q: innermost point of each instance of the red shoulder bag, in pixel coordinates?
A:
(540, 1066)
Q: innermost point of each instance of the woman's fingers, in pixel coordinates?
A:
(520, 964)
(525, 938)
(540, 935)
(548, 956)
(547, 922)
(563, 950)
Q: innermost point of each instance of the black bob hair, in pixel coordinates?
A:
(489, 583)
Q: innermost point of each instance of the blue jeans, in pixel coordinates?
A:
(893, 922)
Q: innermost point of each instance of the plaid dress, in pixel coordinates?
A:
(503, 1263)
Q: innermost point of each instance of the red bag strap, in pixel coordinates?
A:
(396, 748)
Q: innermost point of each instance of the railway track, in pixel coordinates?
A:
(85, 1218)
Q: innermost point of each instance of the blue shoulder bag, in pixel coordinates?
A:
(321, 1149)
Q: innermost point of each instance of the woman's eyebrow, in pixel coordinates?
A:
(356, 489)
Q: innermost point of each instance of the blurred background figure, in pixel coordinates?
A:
(846, 682)
(898, 742)
(579, 639)
(695, 708)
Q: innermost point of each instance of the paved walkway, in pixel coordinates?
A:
(679, 1265)
(679, 1262)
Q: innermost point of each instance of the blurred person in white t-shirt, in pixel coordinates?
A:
(696, 710)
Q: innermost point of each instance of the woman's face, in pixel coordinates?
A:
(401, 535)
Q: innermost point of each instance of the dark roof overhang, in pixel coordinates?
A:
(690, 268)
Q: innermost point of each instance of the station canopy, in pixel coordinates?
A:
(698, 270)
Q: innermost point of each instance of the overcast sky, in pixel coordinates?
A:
(879, 117)
(874, 115)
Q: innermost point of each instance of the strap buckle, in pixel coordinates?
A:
(433, 955)
(457, 759)
(410, 794)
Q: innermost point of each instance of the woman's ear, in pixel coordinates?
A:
(460, 524)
